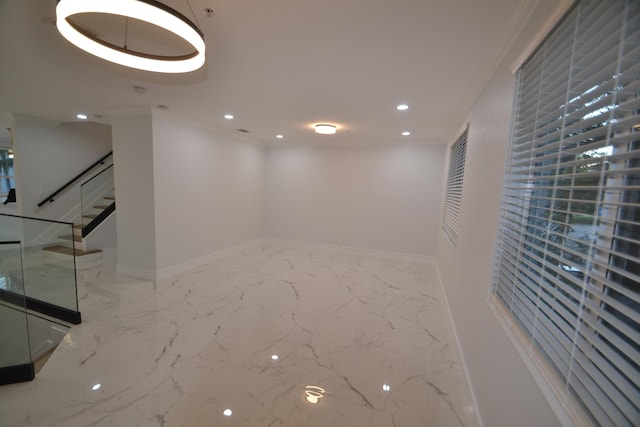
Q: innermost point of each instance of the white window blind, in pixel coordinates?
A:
(567, 266)
(453, 194)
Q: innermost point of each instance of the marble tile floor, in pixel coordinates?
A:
(249, 332)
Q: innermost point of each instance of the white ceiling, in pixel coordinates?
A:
(279, 66)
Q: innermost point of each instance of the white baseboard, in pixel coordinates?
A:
(476, 408)
(197, 262)
(352, 250)
(139, 273)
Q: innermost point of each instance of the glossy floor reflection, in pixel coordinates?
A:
(38, 277)
(273, 335)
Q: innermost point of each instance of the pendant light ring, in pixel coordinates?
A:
(150, 11)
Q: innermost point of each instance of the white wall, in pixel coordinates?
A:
(209, 192)
(134, 182)
(47, 155)
(382, 198)
(183, 193)
(506, 393)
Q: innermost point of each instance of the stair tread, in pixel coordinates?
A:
(71, 237)
(101, 207)
(68, 251)
(80, 226)
(89, 216)
(109, 198)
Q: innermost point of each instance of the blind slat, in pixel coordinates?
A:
(567, 264)
(453, 193)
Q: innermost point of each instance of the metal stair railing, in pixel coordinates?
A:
(73, 180)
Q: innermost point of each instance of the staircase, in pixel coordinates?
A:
(84, 259)
(75, 245)
(97, 204)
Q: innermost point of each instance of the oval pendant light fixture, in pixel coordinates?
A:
(150, 11)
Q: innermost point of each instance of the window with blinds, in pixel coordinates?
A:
(567, 266)
(453, 194)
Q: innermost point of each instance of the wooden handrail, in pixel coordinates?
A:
(77, 177)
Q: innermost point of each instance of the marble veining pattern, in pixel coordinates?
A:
(370, 330)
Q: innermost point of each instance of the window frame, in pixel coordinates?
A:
(453, 191)
(606, 222)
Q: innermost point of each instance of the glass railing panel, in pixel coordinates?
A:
(44, 335)
(96, 194)
(15, 354)
(47, 249)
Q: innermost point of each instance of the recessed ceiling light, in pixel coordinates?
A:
(279, 136)
(325, 129)
(406, 133)
(275, 357)
(82, 116)
(228, 116)
(402, 107)
(96, 387)
(386, 387)
(227, 412)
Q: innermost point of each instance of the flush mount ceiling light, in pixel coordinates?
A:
(150, 11)
(325, 129)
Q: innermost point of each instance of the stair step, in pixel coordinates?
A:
(100, 207)
(90, 216)
(78, 226)
(68, 251)
(109, 198)
(70, 237)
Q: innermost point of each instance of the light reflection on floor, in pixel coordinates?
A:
(367, 337)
